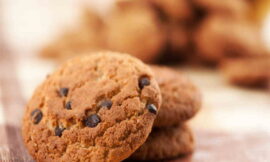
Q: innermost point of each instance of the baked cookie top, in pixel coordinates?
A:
(181, 99)
(99, 107)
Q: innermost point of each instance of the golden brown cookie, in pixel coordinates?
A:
(253, 71)
(181, 99)
(219, 37)
(230, 8)
(166, 143)
(99, 107)
(87, 36)
(178, 42)
(174, 10)
(133, 27)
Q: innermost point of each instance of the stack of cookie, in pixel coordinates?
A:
(226, 31)
(171, 136)
(102, 107)
(158, 30)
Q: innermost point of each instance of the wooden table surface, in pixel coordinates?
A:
(234, 124)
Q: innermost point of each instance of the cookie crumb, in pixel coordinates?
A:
(152, 108)
(36, 116)
(92, 120)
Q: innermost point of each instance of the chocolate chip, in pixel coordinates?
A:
(92, 120)
(68, 105)
(144, 81)
(152, 108)
(106, 104)
(36, 116)
(63, 92)
(58, 131)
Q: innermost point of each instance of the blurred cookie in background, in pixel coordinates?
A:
(158, 31)
(177, 43)
(87, 36)
(174, 10)
(259, 10)
(230, 8)
(221, 37)
(134, 27)
(252, 71)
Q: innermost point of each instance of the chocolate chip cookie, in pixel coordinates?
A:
(166, 143)
(134, 27)
(174, 10)
(231, 8)
(86, 36)
(178, 42)
(99, 107)
(252, 71)
(217, 39)
(181, 99)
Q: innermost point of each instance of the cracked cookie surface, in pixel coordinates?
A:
(181, 99)
(166, 143)
(92, 108)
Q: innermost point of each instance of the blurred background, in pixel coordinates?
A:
(223, 46)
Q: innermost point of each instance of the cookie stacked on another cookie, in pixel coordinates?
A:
(171, 137)
(99, 107)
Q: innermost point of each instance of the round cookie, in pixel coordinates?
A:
(231, 8)
(166, 143)
(181, 99)
(174, 10)
(178, 37)
(217, 39)
(86, 36)
(250, 71)
(133, 27)
(99, 107)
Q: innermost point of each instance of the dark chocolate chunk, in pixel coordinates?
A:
(58, 131)
(152, 108)
(63, 92)
(106, 104)
(68, 105)
(36, 116)
(144, 81)
(92, 120)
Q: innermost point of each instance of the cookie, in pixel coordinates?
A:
(253, 71)
(231, 8)
(217, 39)
(174, 10)
(178, 37)
(166, 143)
(99, 107)
(181, 98)
(86, 36)
(133, 27)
